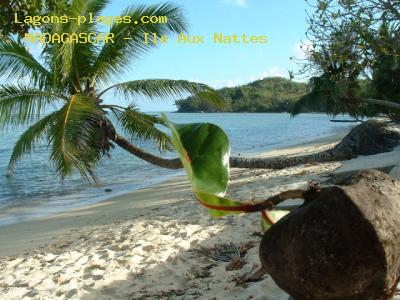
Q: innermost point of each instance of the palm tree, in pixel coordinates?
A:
(76, 80)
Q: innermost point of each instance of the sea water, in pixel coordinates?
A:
(35, 190)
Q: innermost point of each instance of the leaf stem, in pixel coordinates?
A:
(275, 200)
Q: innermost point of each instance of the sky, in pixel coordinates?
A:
(284, 22)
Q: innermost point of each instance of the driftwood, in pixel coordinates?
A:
(342, 243)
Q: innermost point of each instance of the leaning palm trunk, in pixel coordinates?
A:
(371, 137)
(174, 163)
(78, 79)
(384, 103)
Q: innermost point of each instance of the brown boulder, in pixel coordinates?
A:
(343, 243)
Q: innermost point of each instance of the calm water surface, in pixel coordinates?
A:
(35, 191)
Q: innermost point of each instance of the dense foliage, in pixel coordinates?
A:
(351, 41)
(22, 8)
(272, 94)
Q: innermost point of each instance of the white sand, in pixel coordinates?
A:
(119, 250)
(150, 244)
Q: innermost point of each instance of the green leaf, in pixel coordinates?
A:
(204, 150)
(140, 125)
(117, 57)
(271, 217)
(164, 88)
(17, 62)
(21, 104)
(72, 62)
(74, 137)
(29, 139)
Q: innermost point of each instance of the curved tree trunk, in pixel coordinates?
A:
(370, 137)
(174, 163)
(385, 103)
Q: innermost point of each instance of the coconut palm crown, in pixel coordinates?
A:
(76, 80)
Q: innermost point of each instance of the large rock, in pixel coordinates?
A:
(343, 243)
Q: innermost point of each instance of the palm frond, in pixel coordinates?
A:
(325, 95)
(165, 88)
(16, 62)
(114, 58)
(139, 125)
(28, 140)
(73, 137)
(84, 7)
(73, 61)
(308, 102)
(20, 104)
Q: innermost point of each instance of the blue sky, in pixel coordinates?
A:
(283, 22)
(225, 65)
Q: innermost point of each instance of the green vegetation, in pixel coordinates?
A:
(204, 151)
(76, 80)
(25, 7)
(272, 94)
(355, 49)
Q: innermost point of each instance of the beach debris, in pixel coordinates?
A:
(252, 276)
(343, 243)
(225, 252)
(234, 255)
(169, 294)
(236, 263)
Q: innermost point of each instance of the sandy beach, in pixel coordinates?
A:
(127, 127)
(155, 243)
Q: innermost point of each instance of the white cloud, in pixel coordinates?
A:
(274, 72)
(233, 82)
(220, 83)
(241, 3)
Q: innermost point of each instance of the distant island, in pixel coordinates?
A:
(272, 94)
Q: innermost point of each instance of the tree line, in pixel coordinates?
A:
(273, 94)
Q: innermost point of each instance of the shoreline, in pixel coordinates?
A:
(155, 248)
(300, 148)
(21, 237)
(154, 243)
(109, 196)
(32, 233)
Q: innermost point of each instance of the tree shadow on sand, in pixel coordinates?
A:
(163, 253)
(167, 258)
